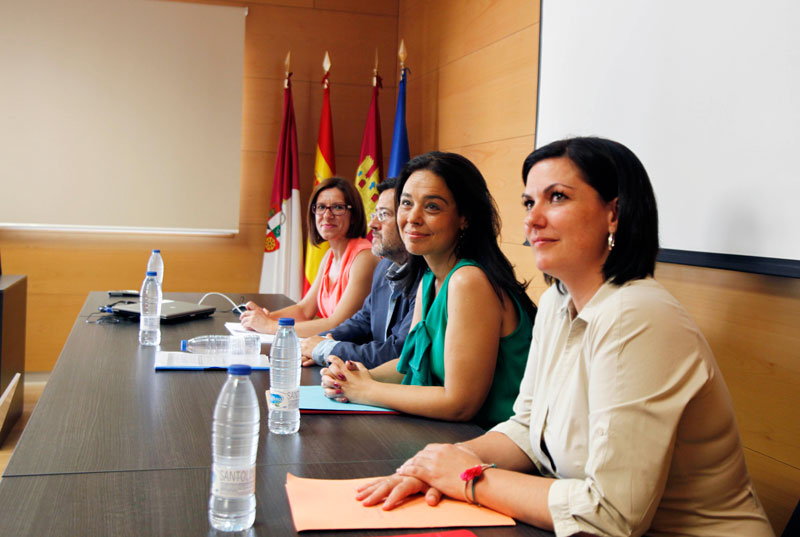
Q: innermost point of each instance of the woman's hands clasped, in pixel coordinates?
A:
(346, 381)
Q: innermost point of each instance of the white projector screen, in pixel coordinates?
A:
(707, 94)
(120, 115)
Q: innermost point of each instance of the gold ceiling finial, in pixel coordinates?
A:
(326, 64)
(402, 54)
(375, 70)
(287, 65)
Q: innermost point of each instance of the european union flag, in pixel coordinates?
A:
(400, 153)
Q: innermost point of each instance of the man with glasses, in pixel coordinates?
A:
(376, 333)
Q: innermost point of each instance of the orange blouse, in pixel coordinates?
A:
(330, 293)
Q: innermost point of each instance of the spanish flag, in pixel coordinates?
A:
(324, 167)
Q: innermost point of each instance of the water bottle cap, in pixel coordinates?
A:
(184, 344)
(239, 369)
(286, 321)
(156, 251)
(152, 273)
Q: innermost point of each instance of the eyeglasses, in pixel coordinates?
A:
(381, 215)
(337, 209)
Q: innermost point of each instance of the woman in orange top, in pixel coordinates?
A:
(335, 214)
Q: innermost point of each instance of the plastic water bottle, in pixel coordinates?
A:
(156, 264)
(150, 311)
(244, 344)
(234, 444)
(284, 380)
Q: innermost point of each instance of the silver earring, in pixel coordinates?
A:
(611, 241)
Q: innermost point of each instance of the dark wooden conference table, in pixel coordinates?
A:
(116, 448)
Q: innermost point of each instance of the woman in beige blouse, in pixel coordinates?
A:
(623, 424)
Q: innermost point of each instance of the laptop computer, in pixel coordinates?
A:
(171, 310)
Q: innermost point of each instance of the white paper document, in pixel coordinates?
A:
(237, 328)
(191, 361)
(5, 399)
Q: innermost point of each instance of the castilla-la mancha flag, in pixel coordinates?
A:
(324, 167)
(283, 246)
(370, 165)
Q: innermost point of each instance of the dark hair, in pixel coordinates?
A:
(387, 184)
(614, 172)
(358, 221)
(478, 241)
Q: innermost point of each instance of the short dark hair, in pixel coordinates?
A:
(479, 239)
(614, 172)
(387, 184)
(358, 221)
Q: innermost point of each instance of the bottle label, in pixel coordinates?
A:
(233, 481)
(284, 399)
(149, 322)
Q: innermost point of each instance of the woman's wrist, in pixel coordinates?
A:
(467, 448)
(369, 392)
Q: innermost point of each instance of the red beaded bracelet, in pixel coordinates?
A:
(471, 475)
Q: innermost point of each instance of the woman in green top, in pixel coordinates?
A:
(465, 354)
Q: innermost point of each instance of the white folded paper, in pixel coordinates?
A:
(191, 361)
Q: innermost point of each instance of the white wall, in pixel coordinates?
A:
(707, 94)
(121, 113)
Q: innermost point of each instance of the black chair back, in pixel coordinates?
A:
(792, 529)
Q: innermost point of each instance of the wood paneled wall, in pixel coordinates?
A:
(63, 267)
(751, 323)
(472, 90)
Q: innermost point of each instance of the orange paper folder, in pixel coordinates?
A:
(330, 504)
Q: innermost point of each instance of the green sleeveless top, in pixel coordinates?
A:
(422, 358)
